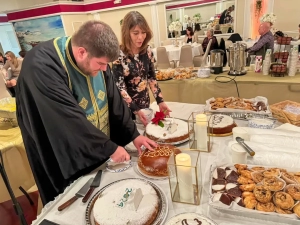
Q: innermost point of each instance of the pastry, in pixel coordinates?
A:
(231, 176)
(219, 173)
(294, 191)
(265, 207)
(220, 124)
(257, 176)
(258, 168)
(273, 183)
(244, 180)
(239, 201)
(289, 178)
(235, 192)
(247, 187)
(274, 172)
(296, 209)
(262, 194)
(283, 200)
(282, 211)
(246, 173)
(247, 193)
(250, 202)
(240, 167)
(226, 199)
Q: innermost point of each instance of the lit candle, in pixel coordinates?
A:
(201, 131)
(184, 175)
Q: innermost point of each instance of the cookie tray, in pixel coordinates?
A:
(238, 211)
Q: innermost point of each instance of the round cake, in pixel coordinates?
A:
(115, 205)
(163, 135)
(221, 124)
(154, 163)
(190, 219)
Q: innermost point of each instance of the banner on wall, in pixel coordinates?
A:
(31, 32)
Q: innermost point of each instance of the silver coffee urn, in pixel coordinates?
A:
(237, 59)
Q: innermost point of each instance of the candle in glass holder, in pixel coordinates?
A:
(184, 175)
(201, 131)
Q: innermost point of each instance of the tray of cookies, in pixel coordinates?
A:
(257, 105)
(259, 192)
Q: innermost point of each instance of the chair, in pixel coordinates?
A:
(186, 56)
(163, 59)
(166, 42)
(199, 61)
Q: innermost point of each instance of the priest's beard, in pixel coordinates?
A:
(86, 69)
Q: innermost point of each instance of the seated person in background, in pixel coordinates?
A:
(217, 29)
(189, 37)
(266, 40)
(198, 31)
(214, 44)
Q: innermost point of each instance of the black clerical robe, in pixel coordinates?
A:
(60, 142)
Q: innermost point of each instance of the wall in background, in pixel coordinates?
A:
(206, 11)
(72, 22)
(8, 39)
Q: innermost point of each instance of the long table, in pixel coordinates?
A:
(252, 84)
(75, 214)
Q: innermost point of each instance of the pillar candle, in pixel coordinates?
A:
(201, 131)
(184, 175)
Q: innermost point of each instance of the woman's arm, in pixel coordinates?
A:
(156, 91)
(118, 72)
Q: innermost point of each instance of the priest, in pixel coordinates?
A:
(70, 112)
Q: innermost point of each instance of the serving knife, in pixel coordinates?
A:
(78, 195)
(95, 184)
(246, 147)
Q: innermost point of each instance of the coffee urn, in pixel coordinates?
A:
(216, 61)
(237, 59)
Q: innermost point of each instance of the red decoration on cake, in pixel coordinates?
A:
(159, 116)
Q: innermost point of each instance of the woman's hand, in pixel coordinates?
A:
(164, 108)
(144, 141)
(142, 117)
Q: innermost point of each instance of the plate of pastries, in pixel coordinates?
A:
(177, 74)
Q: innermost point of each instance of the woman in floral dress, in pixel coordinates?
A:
(134, 69)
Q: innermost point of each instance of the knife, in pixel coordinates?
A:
(95, 184)
(79, 194)
(246, 147)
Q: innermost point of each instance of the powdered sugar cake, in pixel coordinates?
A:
(162, 135)
(115, 205)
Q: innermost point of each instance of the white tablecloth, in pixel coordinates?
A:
(174, 52)
(75, 214)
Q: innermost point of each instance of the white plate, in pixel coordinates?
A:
(118, 167)
(139, 172)
(190, 219)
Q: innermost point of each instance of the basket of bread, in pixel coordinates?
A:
(287, 112)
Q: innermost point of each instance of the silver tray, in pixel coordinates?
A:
(148, 177)
(244, 116)
(162, 210)
(177, 221)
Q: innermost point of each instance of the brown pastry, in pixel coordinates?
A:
(231, 176)
(274, 172)
(244, 180)
(283, 200)
(265, 207)
(262, 194)
(273, 183)
(240, 166)
(258, 168)
(250, 202)
(294, 191)
(246, 173)
(297, 178)
(296, 209)
(282, 211)
(247, 187)
(257, 176)
(289, 178)
(247, 193)
(219, 99)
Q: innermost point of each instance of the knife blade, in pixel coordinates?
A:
(95, 184)
(78, 195)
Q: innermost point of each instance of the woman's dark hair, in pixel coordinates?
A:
(190, 30)
(197, 27)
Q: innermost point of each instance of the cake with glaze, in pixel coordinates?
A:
(162, 134)
(115, 204)
(154, 163)
(190, 219)
(221, 124)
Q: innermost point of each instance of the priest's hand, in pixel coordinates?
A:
(120, 155)
(142, 117)
(144, 141)
(164, 108)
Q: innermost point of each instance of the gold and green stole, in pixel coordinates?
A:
(90, 92)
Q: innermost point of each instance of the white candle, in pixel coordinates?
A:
(240, 132)
(184, 175)
(201, 131)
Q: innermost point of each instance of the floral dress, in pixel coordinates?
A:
(132, 75)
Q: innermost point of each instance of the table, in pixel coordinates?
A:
(174, 52)
(75, 214)
(252, 84)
